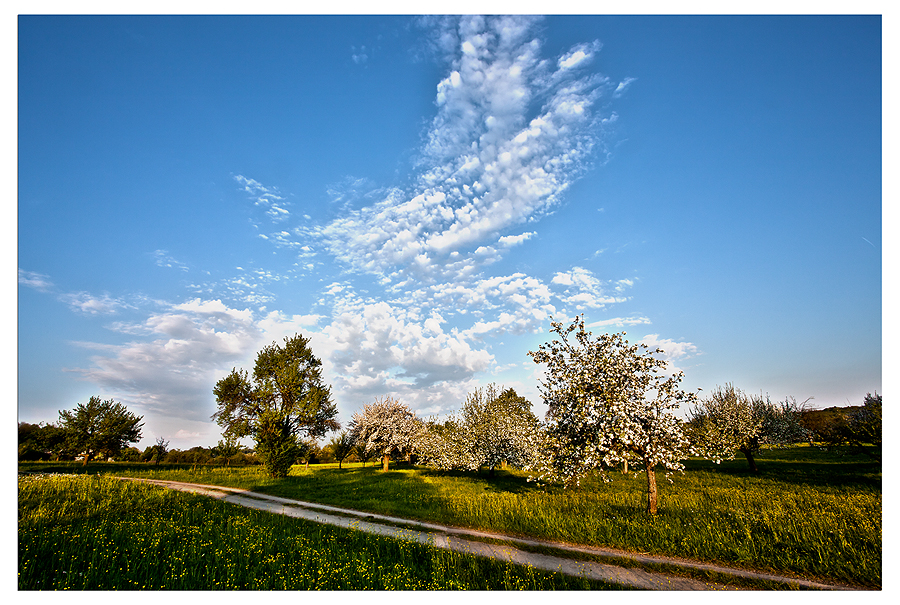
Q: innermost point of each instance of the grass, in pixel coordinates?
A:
(86, 532)
(807, 513)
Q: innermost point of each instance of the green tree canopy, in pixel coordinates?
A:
(286, 399)
(100, 427)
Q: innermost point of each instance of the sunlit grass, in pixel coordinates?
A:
(806, 513)
(98, 533)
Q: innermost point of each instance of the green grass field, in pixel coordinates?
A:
(807, 513)
(98, 533)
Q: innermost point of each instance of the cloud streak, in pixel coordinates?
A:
(510, 135)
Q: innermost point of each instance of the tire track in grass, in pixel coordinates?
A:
(442, 536)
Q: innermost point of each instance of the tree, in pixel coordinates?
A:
(728, 420)
(287, 399)
(226, 448)
(387, 427)
(160, 449)
(100, 426)
(856, 428)
(41, 441)
(495, 427)
(864, 428)
(362, 451)
(608, 402)
(342, 446)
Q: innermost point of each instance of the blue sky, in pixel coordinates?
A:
(420, 196)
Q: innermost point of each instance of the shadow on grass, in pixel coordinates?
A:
(800, 466)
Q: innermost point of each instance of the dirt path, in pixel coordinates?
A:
(454, 538)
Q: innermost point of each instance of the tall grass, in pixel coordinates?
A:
(98, 533)
(806, 513)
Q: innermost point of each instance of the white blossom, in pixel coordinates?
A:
(608, 402)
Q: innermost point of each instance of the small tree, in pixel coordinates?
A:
(227, 448)
(100, 426)
(728, 420)
(362, 451)
(286, 400)
(495, 427)
(857, 428)
(341, 447)
(161, 449)
(387, 427)
(608, 402)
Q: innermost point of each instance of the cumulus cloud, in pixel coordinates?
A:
(584, 291)
(177, 354)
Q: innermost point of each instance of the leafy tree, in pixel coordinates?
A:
(362, 451)
(226, 448)
(160, 449)
(608, 402)
(387, 427)
(130, 454)
(864, 428)
(287, 399)
(100, 426)
(855, 428)
(342, 446)
(729, 420)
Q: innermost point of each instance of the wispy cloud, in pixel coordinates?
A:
(93, 305)
(164, 259)
(267, 198)
(619, 322)
(34, 280)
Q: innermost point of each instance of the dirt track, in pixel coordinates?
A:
(454, 538)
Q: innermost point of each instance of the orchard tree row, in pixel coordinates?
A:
(611, 405)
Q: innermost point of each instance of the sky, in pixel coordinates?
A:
(421, 196)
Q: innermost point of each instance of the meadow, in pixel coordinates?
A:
(808, 513)
(91, 532)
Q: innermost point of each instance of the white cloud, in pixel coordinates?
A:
(585, 291)
(619, 322)
(267, 198)
(35, 280)
(514, 240)
(490, 162)
(164, 259)
(671, 349)
(93, 305)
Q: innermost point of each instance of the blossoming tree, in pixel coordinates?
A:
(609, 402)
(387, 427)
(495, 427)
(729, 420)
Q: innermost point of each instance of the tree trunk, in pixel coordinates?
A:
(651, 490)
(749, 454)
(625, 467)
(385, 462)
